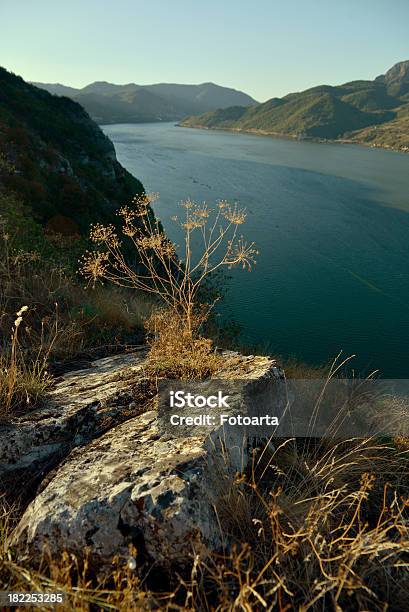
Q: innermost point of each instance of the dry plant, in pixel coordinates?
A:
(175, 354)
(23, 382)
(74, 577)
(312, 524)
(89, 322)
(316, 529)
(211, 242)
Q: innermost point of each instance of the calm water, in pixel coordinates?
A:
(331, 223)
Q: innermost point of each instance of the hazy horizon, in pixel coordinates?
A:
(264, 49)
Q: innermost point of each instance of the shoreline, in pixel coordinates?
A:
(281, 136)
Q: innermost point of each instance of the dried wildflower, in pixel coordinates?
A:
(188, 204)
(22, 310)
(141, 203)
(156, 242)
(242, 253)
(103, 233)
(149, 198)
(127, 213)
(158, 270)
(141, 209)
(202, 212)
(95, 265)
(235, 215)
(129, 230)
(192, 224)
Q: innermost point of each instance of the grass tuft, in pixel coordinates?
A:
(176, 354)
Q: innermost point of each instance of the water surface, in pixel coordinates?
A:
(331, 223)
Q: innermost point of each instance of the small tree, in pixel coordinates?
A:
(174, 277)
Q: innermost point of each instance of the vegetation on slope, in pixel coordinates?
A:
(49, 321)
(57, 160)
(310, 525)
(393, 134)
(58, 172)
(375, 112)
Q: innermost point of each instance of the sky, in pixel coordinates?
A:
(266, 48)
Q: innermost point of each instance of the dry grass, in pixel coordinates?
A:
(76, 576)
(40, 340)
(317, 526)
(176, 354)
(23, 382)
(63, 322)
(312, 524)
(87, 320)
(73, 577)
(21, 389)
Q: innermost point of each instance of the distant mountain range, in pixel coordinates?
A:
(131, 103)
(372, 112)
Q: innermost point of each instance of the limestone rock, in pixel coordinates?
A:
(128, 486)
(135, 484)
(82, 405)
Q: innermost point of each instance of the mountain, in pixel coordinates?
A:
(396, 79)
(57, 160)
(374, 112)
(206, 96)
(132, 103)
(57, 89)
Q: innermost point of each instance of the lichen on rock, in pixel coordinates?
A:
(132, 484)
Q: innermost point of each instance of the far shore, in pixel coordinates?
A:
(281, 136)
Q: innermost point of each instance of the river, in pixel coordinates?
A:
(331, 223)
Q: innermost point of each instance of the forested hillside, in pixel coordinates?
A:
(57, 160)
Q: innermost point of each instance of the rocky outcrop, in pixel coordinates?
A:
(128, 486)
(136, 484)
(81, 407)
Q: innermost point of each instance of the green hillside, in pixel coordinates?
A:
(134, 106)
(374, 112)
(58, 174)
(57, 160)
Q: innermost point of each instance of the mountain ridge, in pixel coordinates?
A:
(367, 112)
(132, 103)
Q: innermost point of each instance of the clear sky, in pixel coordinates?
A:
(264, 47)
